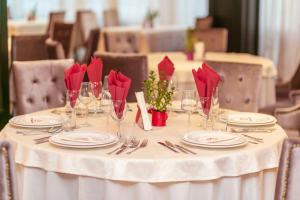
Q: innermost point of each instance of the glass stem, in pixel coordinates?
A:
(119, 129)
(189, 120)
(86, 114)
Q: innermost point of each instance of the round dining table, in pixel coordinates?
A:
(49, 172)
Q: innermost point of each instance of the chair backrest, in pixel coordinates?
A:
(91, 45)
(133, 66)
(215, 39)
(165, 41)
(111, 17)
(86, 21)
(240, 85)
(55, 49)
(8, 188)
(122, 42)
(53, 18)
(287, 184)
(39, 84)
(63, 33)
(295, 81)
(204, 23)
(28, 47)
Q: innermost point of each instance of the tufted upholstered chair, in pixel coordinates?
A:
(240, 84)
(289, 119)
(8, 190)
(111, 17)
(39, 84)
(165, 41)
(215, 39)
(53, 18)
(287, 183)
(86, 21)
(122, 42)
(132, 65)
(204, 23)
(63, 33)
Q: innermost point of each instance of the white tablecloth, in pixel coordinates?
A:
(183, 70)
(24, 27)
(150, 173)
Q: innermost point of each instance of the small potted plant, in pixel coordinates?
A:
(32, 13)
(149, 18)
(189, 44)
(158, 95)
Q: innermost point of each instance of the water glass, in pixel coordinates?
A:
(118, 112)
(189, 103)
(85, 97)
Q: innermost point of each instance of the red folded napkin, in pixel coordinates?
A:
(73, 79)
(206, 80)
(166, 69)
(94, 72)
(118, 86)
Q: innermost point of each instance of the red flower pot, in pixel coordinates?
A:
(159, 118)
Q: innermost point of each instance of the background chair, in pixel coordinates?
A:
(63, 33)
(91, 45)
(86, 21)
(54, 17)
(55, 49)
(289, 119)
(122, 42)
(215, 39)
(39, 84)
(204, 23)
(111, 17)
(8, 188)
(239, 86)
(132, 65)
(287, 183)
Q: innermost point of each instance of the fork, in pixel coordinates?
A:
(133, 142)
(142, 145)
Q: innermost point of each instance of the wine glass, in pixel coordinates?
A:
(106, 105)
(205, 104)
(118, 112)
(215, 105)
(69, 116)
(85, 97)
(96, 91)
(189, 103)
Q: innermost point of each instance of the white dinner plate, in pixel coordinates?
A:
(83, 139)
(36, 121)
(214, 139)
(247, 119)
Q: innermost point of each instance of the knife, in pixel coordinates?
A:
(174, 146)
(163, 144)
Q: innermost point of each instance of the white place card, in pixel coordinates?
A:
(146, 123)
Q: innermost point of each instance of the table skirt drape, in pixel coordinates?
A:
(38, 184)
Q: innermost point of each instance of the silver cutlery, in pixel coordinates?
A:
(222, 140)
(132, 144)
(171, 145)
(118, 148)
(172, 149)
(186, 149)
(38, 131)
(142, 145)
(46, 139)
(254, 138)
(245, 130)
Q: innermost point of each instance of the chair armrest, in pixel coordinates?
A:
(294, 96)
(289, 118)
(55, 49)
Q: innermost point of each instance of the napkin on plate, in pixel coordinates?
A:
(166, 69)
(73, 79)
(206, 80)
(118, 86)
(94, 72)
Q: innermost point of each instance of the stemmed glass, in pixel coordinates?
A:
(118, 112)
(189, 103)
(85, 97)
(96, 91)
(69, 119)
(205, 104)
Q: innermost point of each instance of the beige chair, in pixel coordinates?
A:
(204, 23)
(111, 17)
(39, 84)
(132, 65)
(287, 183)
(289, 119)
(86, 21)
(54, 17)
(8, 190)
(240, 84)
(91, 45)
(215, 39)
(63, 33)
(122, 42)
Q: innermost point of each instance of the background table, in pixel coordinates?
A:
(49, 172)
(183, 70)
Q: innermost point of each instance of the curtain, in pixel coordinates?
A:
(131, 12)
(279, 38)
